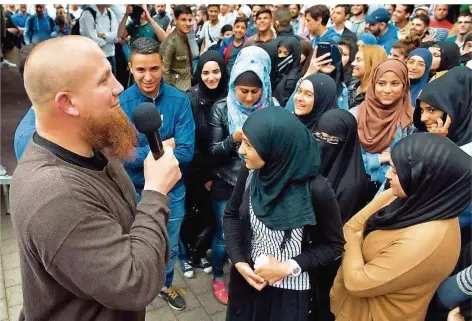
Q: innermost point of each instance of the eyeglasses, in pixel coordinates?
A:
(412, 62)
(333, 140)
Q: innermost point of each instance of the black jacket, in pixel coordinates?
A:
(286, 85)
(354, 98)
(322, 247)
(223, 149)
(202, 160)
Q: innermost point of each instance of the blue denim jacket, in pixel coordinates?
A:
(177, 122)
(372, 164)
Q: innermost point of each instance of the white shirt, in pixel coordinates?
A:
(119, 10)
(228, 19)
(90, 29)
(211, 34)
(268, 242)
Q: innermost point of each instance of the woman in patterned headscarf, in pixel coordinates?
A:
(249, 90)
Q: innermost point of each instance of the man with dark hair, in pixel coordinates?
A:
(39, 26)
(378, 24)
(401, 18)
(357, 20)
(264, 28)
(440, 22)
(339, 16)
(251, 26)
(212, 28)
(295, 20)
(316, 20)
(176, 53)
(177, 131)
(161, 17)
(464, 28)
(420, 28)
(200, 18)
(231, 47)
(71, 198)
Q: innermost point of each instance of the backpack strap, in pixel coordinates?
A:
(228, 52)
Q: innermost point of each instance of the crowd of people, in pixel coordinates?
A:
(325, 152)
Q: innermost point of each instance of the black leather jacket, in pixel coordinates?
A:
(223, 149)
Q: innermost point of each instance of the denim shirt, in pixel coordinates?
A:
(372, 165)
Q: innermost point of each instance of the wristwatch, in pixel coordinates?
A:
(295, 269)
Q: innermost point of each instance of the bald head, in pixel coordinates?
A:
(56, 65)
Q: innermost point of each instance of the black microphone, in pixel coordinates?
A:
(147, 120)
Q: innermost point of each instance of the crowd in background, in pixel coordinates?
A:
(383, 232)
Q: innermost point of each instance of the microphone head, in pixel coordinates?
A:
(147, 118)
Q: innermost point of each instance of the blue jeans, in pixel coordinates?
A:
(177, 212)
(218, 249)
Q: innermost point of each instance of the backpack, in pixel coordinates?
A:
(76, 28)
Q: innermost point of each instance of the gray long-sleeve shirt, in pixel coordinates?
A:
(88, 251)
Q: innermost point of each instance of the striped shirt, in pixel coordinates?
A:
(268, 242)
(464, 280)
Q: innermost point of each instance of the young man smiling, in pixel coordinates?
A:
(175, 51)
(264, 28)
(177, 130)
(233, 45)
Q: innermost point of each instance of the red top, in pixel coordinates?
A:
(444, 24)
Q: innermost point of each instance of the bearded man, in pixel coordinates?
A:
(88, 250)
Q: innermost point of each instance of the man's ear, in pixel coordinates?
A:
(63, 101)
(129, 67)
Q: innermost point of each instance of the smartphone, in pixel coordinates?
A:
(444, 117)
(323, 48)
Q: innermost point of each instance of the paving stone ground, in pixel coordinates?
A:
(201, 304)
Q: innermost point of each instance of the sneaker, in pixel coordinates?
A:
(187, 269)
(220, 292)
(205, 265)
(173, 298)
(7, 64)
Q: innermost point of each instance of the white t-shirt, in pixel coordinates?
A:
(211, 34)
(228, 19)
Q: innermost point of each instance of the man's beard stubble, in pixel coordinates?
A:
(115, 136)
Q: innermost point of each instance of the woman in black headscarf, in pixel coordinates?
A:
(315, 95)
(445, 106)
(341, 160)
(288, 68)
(211, 84)
(446, 55)
(281, 223)
(407, 240)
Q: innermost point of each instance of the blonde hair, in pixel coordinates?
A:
(373, 56)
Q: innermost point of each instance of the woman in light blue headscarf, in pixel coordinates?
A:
(249, 90)
(419, 67)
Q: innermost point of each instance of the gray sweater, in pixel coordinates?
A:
(88, 251)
